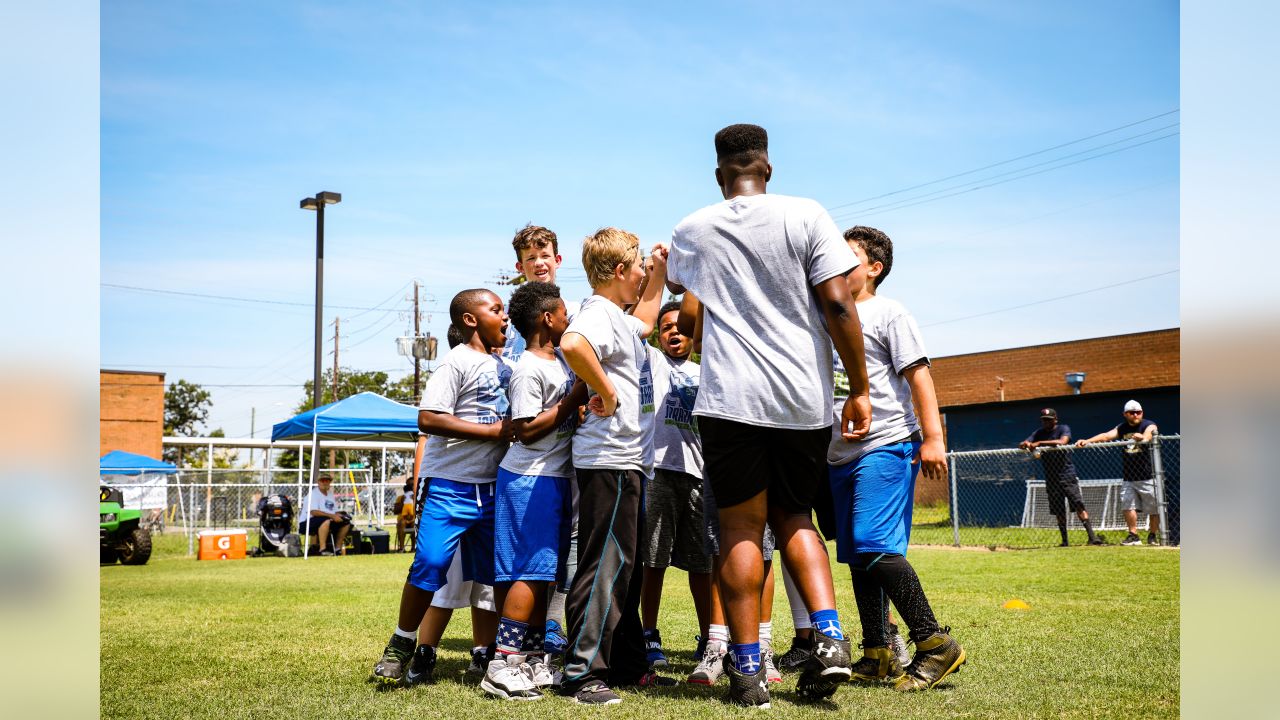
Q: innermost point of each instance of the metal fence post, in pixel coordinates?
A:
(955, 505)
(1157, 463)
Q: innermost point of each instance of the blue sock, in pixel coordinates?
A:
(746, 657)
(511, 635)
(827, 622)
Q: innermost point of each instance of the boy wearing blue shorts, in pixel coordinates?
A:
(534, 502)
(465, 412)
(873, 480)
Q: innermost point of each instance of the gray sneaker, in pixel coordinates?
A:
(509, 678)
(898, 645)
(596, 693)
(540, 673)
(771, 673)
(711, 667)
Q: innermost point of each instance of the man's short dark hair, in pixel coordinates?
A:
(741, 143)
(453, 336)
(673, 305)
(877, 246)
(528, 303)
(464, 301)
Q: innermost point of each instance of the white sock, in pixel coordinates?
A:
(766, 634)
(411, 634)
(719, 634)
(555, 608)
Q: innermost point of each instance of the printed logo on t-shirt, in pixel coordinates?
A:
(491, 395)
(646, 384)
(1132, 449)
(570, 423)
(684, 393)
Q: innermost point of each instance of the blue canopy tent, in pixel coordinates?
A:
(119, 462)
(364, 416)
(143, 481)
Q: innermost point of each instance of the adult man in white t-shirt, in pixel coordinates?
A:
(769, 269)
(322, 517)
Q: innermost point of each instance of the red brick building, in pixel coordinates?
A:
(992, 399)
(131, 412)
(1119, 362)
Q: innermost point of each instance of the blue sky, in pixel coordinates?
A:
(446, 128)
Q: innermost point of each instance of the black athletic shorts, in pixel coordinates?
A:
(740, 460)
(311, 525)
(1060, 488)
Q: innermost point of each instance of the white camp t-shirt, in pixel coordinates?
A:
(319, 501)
(677, 445)
(624, 440)
(753, 262)
(537, 385)
(892, 343)
(471, 386)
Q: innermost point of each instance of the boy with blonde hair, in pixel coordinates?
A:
(612, 456)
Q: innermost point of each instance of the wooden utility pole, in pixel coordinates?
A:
(417, 332)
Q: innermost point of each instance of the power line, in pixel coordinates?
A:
(1003, 162)
(241, 299)
(907, 203)
(1024, 168)
(1052, 299)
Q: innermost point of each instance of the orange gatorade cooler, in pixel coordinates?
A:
(222, 544)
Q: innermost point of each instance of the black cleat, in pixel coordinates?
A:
(797, 656)
(390, 669)
(422, 666)
(826, 670)
(747, 690)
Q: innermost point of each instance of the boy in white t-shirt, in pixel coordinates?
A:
(612, 456)
(534, 502)
(873, 480)
(465, 412)
(769, 271)
(674, 524)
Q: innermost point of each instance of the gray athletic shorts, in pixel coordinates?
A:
(673, 523)
(1139, 495)
(711, 535)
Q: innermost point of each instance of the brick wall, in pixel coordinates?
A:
(132, 412)
(1118, 362)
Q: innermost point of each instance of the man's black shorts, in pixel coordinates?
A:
(1060, 488)
(740, 460)
(311, 525)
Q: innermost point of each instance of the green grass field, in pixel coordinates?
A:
(293, 638)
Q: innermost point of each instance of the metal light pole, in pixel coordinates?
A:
(317, 203)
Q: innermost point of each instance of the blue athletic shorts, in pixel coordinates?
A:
(454, 514)
(532, 520)
(873, 498)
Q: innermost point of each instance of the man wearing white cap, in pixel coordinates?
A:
(1139, 490)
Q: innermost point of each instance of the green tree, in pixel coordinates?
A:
(186, 408)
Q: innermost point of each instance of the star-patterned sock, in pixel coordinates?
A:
(511, 634)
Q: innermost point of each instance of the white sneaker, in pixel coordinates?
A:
(508, 677)
(712, 665)
(540, 674)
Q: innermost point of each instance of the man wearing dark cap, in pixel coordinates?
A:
(1060, 481)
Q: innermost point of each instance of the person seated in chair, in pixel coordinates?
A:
(321, 517)
(405, 516)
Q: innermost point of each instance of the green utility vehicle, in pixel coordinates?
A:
(119, 530)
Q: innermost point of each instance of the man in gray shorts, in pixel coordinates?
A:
(1138, 493)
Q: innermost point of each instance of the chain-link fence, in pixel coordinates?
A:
(189, 501)
(1001, 498)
